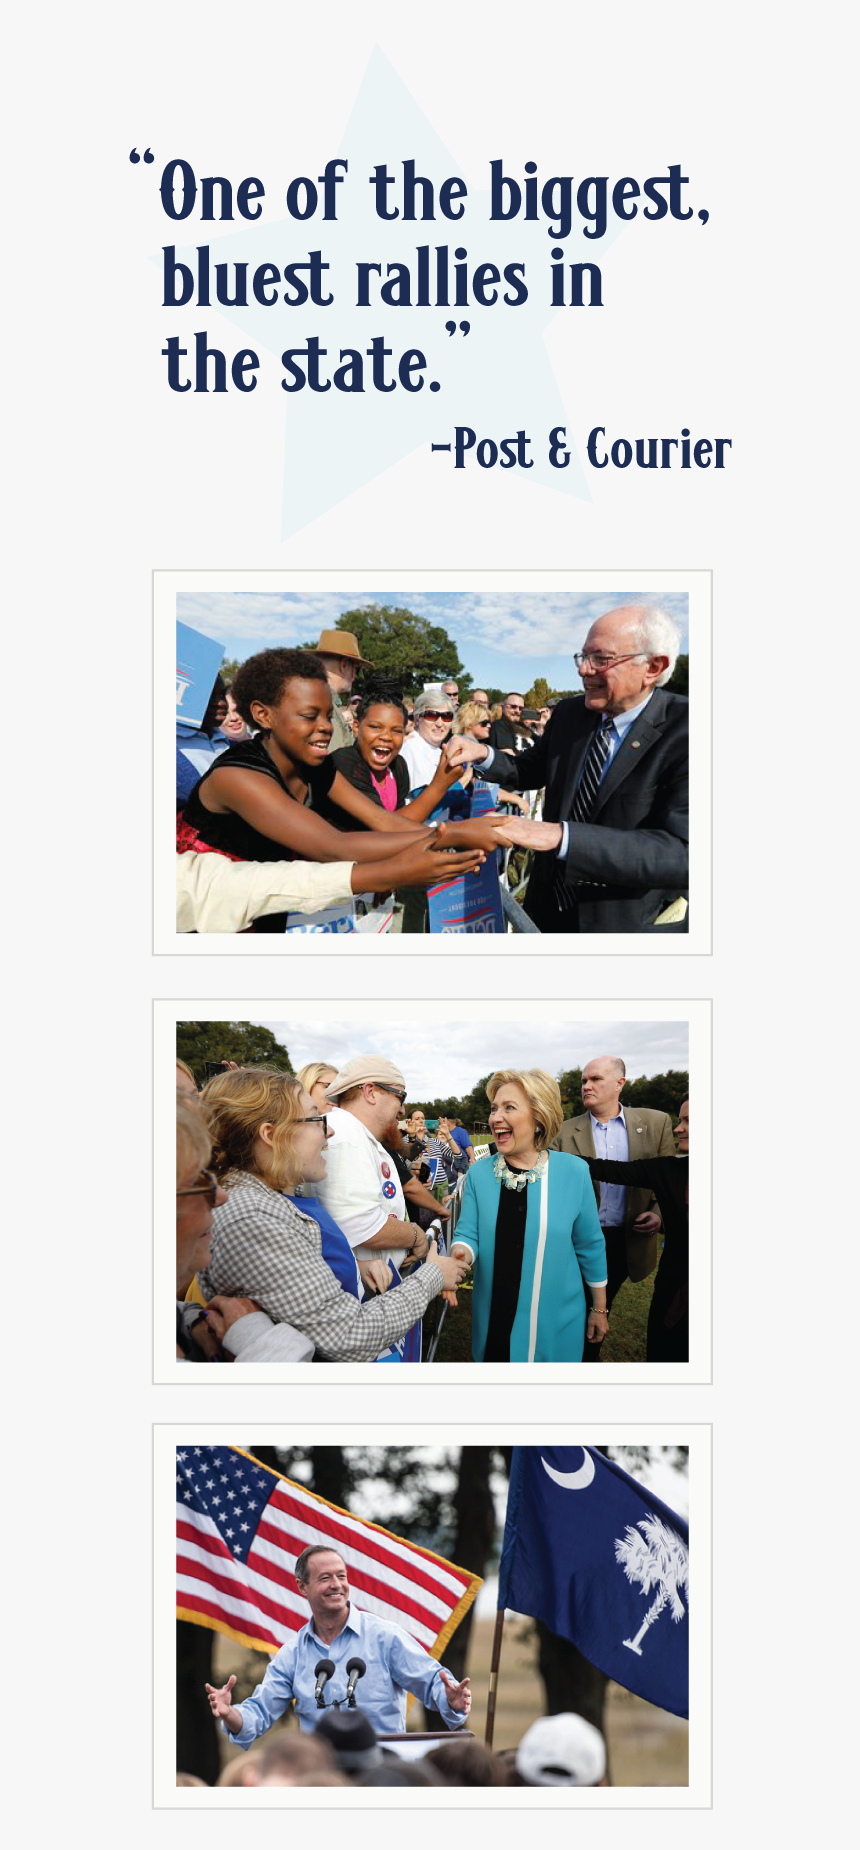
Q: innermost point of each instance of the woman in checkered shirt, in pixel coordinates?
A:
(268, 1136)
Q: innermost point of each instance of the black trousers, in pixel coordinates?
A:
(616, 1272)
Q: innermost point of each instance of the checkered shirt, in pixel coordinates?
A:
(264, 1248)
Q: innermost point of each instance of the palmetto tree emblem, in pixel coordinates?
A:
(656, 1558)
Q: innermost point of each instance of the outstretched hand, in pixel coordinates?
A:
(524, 832)
(459, 1694)
(219, 1699)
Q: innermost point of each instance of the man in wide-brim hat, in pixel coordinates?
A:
(341, 657)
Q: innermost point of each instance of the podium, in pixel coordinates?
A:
(414, 1746)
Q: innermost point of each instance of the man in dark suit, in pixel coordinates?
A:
(611, 854)
(629, 1217)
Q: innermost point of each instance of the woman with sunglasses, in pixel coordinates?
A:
(473, 722)
(267, 1138)
(236, 1332)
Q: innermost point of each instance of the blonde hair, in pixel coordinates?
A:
(310, 1076)
(470, 715)
(235, 1105)
(192, 1139)
(183, 1068)
(543, 1095)
(496, 711)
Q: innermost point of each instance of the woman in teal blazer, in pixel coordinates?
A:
(529, 1223)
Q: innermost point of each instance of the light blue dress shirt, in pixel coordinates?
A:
(395, 1665)
(611, 1142)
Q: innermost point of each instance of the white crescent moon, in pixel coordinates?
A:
(572, 1480)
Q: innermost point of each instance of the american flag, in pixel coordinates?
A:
(240, 1529)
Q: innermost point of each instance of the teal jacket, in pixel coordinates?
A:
(563, 1244)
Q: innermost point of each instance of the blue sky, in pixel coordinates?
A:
(503, 638)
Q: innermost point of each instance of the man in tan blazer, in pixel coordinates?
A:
(628, 1216)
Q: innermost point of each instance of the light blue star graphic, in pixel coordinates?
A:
(497, 379)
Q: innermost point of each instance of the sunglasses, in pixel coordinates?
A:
(210, 1187)
(392, 1089)
(428, 715)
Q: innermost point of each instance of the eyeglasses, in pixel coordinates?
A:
(317, 1120)
(210, 1187)
(601, 661)
(427, 715)
(392, 1089)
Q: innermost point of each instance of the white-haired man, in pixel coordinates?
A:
(612, 849)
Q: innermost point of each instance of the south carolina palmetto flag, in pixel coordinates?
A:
(602, 1562)
(240, 1529)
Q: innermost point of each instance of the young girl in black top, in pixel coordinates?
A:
(260, 800)
(373, 764)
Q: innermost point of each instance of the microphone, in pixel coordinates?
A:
(354, 1669)
(324, 1670)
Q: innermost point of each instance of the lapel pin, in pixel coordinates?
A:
(635, 744)
(639, 1130)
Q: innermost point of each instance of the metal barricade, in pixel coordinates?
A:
(448, 1226)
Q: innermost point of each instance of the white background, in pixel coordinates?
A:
(742, 327)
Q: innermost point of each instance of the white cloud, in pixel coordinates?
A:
(438, 1060)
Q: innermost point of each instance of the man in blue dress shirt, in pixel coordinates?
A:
(395, 1664)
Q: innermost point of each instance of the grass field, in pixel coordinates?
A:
(647, 1746)
(628, 1323)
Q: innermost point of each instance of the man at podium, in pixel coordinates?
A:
(341, 1657)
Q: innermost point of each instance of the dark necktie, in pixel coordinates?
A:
(585, 796)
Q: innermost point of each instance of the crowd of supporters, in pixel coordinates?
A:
(300, 796)
(318, 1220)
(557, 1750)
(265, 1271)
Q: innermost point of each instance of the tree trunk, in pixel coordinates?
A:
(332, 1478)
(197, 1747)
(476, 1522)
(267, 1455)
(570, 1681)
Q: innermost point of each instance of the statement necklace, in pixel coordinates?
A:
(511, 1178)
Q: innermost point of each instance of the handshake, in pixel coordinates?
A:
(493, 830)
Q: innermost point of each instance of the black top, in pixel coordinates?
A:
(668, 1176)
(348, 760)
(231, 833)
(503, 738)
(507, 1268)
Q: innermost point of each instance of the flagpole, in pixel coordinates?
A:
(494, 1676)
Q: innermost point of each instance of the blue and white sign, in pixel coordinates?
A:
(198, 660)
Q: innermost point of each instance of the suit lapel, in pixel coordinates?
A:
(583, 1136)
(644, 733)
(575, 761)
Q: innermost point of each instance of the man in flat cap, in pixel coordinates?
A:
(341, 658)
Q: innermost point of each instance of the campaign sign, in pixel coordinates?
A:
(408, 1349)
(471, 903)
(198, 660)
(342, 918)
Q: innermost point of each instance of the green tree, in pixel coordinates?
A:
(680, 682)
(229, 669)
(404, 648)
(539, 693)
(243, 1041)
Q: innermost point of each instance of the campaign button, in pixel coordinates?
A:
(385, 1169)
(388, 1190)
